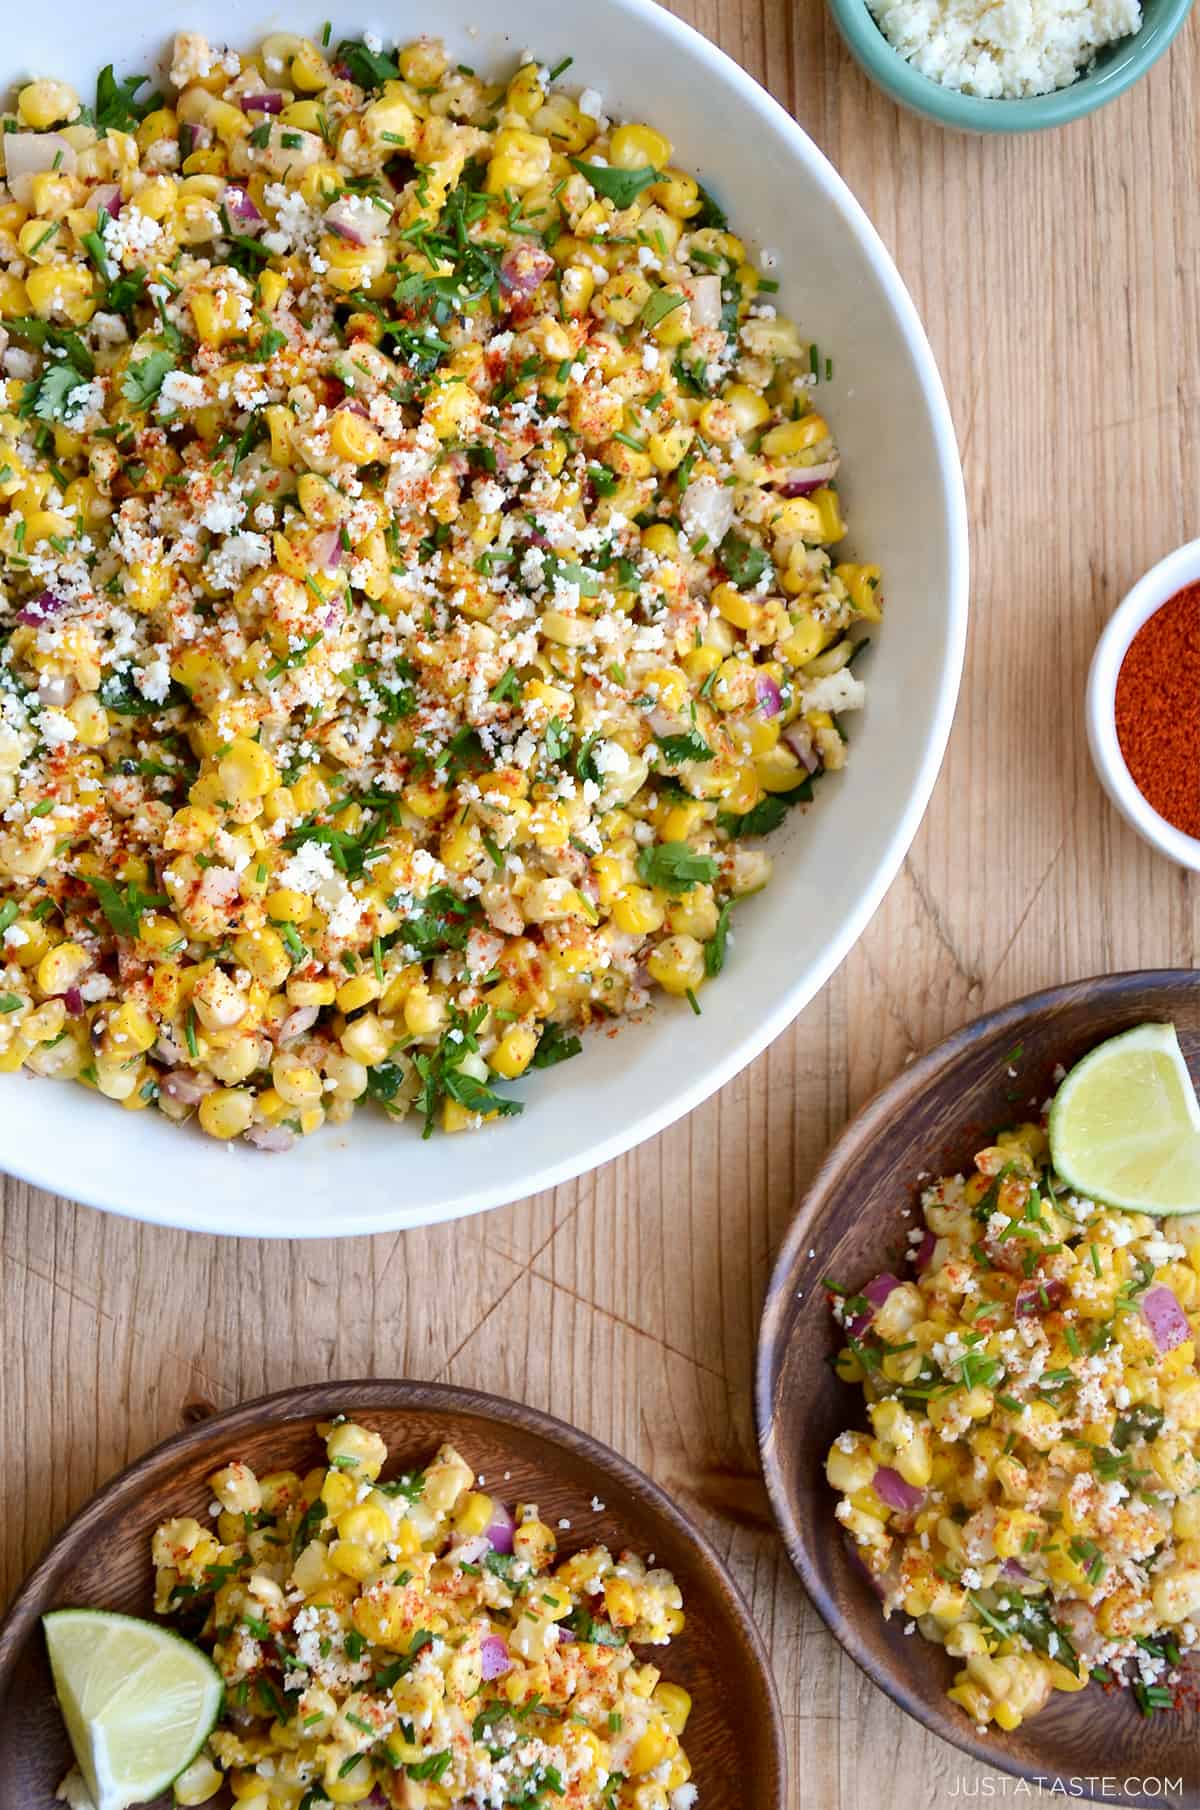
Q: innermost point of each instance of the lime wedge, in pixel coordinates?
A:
(1125, 1125)
(138, 1701)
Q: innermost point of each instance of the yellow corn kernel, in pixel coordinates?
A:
(636, 912)
(667, 448)
(577, 286)
(424, 1012)
(288, 906)
(350, 1786)
(525, 93)
(197, 1782)
(390, 122)
(825, 501)
(64, 291)
(654, 1745)
(356, 992)
(637, 146)
(45, 103)
(677, 964)
(262, 952)
(513, 1054)
(367, 1039)
(357, 1449)
(792, 437)
(699, 662)
(296, 1082)
(805, 640)
(247, 771)
(226, 1112)
(674, 1704)
(735, 608)
(130, 1030)
(14, 297)
(62, 968)
(519, 161)
(216, 314)
(862, 587)
(280, 423)
(474, 1513)
(354, 438)
(366, 1523)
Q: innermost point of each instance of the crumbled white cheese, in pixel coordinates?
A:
(1000, 49)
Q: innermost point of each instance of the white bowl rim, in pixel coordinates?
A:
(1155, 588)
(191, 1212)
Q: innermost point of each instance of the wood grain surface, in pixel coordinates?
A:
(1057, 277)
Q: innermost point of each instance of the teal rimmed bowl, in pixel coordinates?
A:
(1115, 69)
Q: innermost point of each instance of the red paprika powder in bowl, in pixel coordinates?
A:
(1143, 706)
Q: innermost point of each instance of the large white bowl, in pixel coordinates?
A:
(904, 494)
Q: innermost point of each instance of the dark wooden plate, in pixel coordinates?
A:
(734, 1738)
(851, 1225)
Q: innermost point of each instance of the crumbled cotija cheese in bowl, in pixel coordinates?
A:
(1007, 65)
(1003, 51)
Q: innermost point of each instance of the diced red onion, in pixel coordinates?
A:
(494, 1658)
(1165, 1317)
(1014, 1568)
(73, 1000)
(1038, 1295)
(28, 154)
(891, 1488)
(48, 604)
(470, 1550)
(857, 1326)
(269, 101)
(297, 1022)
(358, 225)
(240, 206)
(878, 1290)
(56, 690)
(272, 1138)
(707, 508)
(926, 1249)
(186, 1087)
(770, 698)
(704, 297)
(808, 478)
(499, 1530)
(327, 549)
(798, 737)
(107, 200)
(522, 268)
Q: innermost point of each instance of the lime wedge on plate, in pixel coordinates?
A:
(138, 1701)
(1125, 1125)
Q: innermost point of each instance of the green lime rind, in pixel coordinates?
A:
(1125, 1125)
(139, 1701)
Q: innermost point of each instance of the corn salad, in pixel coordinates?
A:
(1029, 1492)
(415, 1639)
(415, 582)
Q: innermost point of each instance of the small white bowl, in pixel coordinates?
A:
(1148, 595)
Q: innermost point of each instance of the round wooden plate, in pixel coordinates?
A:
(734, 1738)
(851, 1225)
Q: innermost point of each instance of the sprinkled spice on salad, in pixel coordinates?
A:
(1029, 1492)
(415, 582)
(415, 1643)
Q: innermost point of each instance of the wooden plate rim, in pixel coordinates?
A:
(314, 1401)
(890, 1100)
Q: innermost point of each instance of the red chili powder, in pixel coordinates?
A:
(1158, 710)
